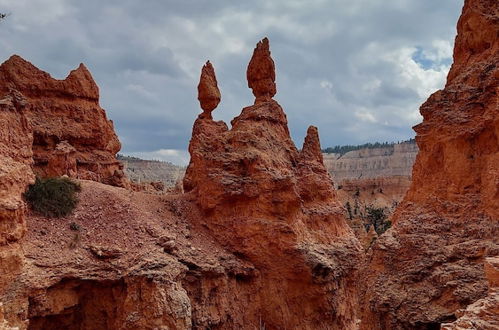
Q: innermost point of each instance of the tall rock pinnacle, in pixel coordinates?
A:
(208, 92)
(311, 147)
(261, 73)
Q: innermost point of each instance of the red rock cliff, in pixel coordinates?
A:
(275, 206)
(15, 175)
(65, 115)
(431, 262)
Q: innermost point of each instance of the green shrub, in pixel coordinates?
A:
(378, 218)
(54, 197)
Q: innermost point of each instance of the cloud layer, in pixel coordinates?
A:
(357, 69)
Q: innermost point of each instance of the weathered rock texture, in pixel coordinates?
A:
(151, 273)
(261, 73)
(274, 207)
(65, 115)
(208, 92)
(483, 313)
(15, 175)
(430, 264)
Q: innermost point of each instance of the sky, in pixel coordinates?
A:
(356, 69)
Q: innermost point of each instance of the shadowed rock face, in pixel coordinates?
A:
(208, 93)
(65, 110)
(275, 206)
(431, 262)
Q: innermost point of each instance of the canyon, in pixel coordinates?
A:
(257, 234)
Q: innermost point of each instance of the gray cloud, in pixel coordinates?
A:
(358, 69)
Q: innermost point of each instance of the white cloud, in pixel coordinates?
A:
(365, 116)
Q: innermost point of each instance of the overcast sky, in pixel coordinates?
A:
(357, 69)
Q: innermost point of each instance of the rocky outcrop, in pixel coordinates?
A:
(208, 92)
(15, 175)
(430, 264)
(484, 313)
(151, 273)
(275, 208)
(261, 73)
(65, 115)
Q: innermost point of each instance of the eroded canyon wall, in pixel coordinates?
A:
(71, 134)
(15, 175)
(430, 264)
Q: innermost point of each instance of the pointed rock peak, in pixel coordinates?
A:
(83, 82)
(16, 64)
(208, 92)
(16, 59)
(312, 147)
(261, 73)
(81, 72)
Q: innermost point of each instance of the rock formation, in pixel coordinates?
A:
(261, 73)
(430, 264)
(208, 93)
(483, 313)
(65, 111)
(15, 175)
(274, 207)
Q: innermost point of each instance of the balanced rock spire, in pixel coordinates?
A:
(208, 92)
(261, 73)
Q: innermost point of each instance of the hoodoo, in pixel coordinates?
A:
(257, 193)
(430, 264)
(261, 72)
(208, 92)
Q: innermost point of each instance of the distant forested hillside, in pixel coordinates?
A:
(344, 149)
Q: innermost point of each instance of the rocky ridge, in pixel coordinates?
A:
(430, 264)
(71, 134)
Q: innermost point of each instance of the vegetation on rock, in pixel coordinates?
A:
(347, 148)
(53, 197)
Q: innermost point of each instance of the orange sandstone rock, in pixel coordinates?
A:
(261, 73)
(208, 92)
(66, 110)
(15, 175)
(274, 206)
(430, 264)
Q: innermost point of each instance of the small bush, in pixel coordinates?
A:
(54, 197)
(378, 218)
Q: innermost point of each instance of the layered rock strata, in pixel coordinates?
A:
(371, 163)
(275, 207)
(430, 264)
(65, 115)
(15, 175)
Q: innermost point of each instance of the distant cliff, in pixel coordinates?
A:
(140, 170)
(368, 163)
